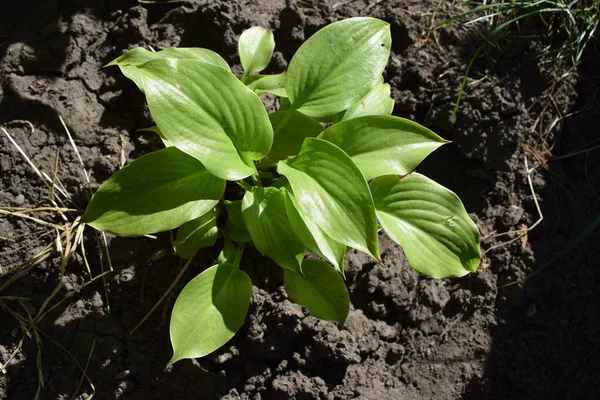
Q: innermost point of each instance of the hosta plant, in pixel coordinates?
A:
(323, 174)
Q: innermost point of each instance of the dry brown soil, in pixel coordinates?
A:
(407, 337)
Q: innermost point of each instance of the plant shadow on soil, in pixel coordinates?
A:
(407, 336)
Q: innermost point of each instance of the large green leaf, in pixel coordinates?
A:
(338, 66)
(291, 128)
(321, 290)
(208, 113)
(209, 311)
(376, 102)
(313, 237)
(140, 56)
(264, 212)
(383, 145)
(256, 47)
(156, 192)
(429, 222)
(331, 190)
(195, 234)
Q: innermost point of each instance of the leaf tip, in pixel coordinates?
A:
(472, 264)
(112, 63)
(86, 219)
(176, 357)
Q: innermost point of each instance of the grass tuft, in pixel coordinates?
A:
(574, 22)
(61, 220)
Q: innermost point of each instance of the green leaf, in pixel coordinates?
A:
(236, 234)
(313, 237)
(383, 145)
(284, 104)
(330, 188)
(195, 234)
(209, 311)
(156, 192)
(256, 47)
(228, 253)
(338, 66)
(291, 129)
(264, 212)
(321, 290)
(429, 222)
(234, 212)
(376, 102)
(140, 56)
(208, 113)
(262, 84)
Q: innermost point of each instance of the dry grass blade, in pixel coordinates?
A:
(32, 328)
(43, 210)
(104, 242)
(44, 177)
(32, 262)
(522, 232)
(15, 351)
(54, 176)
(84, 372)
(576, 153)
(66, 246)
(103, 236)
(165, 294)
(27, 243)
(68, 241)
(591, 228)
(34, 219)
(85, 173)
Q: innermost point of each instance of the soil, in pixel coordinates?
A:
(407, 336)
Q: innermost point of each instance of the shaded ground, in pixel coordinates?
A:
(407, 336)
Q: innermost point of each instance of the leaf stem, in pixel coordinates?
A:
(266, 164)
(238, 255)
(282, 181)
(244, 185)
(282, 122)
(256, 179)
(266, 175)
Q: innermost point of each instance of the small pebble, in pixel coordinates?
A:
(122, 375)
(531, 310)
(223, 358)
(97, 300)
